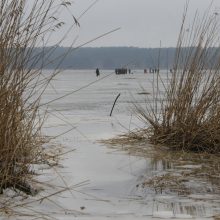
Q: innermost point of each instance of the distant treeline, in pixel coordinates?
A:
(110, 57)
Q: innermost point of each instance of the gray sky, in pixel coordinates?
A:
(144, 23)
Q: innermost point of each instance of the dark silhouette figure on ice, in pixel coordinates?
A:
(97, 72)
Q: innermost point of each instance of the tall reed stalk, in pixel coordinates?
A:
(24, 25)
(188, 113)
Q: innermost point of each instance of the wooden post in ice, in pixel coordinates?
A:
(114, 104)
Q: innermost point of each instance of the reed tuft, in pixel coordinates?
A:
(186, 116)
(23, 26)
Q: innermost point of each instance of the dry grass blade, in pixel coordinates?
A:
(23, 27)
(25, 32)
(187, 116)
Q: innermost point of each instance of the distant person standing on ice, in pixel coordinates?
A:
(97, 72)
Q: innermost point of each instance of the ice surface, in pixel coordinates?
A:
(112, 176)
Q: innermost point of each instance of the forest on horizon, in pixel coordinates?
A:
(110, 57)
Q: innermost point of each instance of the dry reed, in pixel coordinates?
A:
(23, 26)
(187, 115)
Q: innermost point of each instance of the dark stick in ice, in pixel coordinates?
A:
(114, 103)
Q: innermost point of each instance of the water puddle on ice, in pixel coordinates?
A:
(186, 185)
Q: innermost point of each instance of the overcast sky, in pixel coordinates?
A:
(144, 23)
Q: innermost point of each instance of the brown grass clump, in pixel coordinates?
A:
(187, 117)
(24, 26)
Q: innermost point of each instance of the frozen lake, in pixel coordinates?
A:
(111, 177)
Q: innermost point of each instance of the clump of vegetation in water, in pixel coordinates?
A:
(24, 25)
(187, 115)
